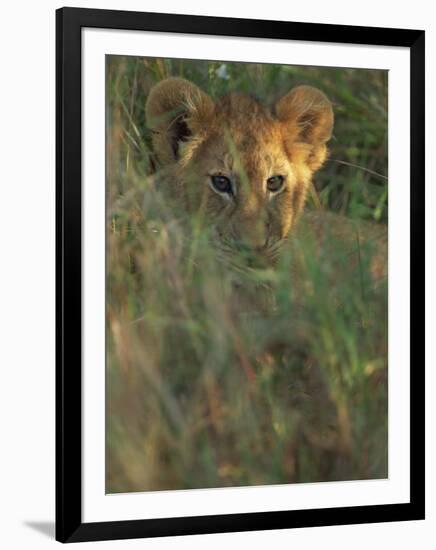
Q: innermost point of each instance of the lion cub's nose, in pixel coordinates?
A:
(251, 237)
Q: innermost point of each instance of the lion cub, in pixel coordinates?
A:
(246, 168)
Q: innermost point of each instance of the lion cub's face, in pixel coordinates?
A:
(241, 166)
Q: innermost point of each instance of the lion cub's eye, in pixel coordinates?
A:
(275, 183)
(222, 184)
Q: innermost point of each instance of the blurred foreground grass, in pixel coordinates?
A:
(281, 379)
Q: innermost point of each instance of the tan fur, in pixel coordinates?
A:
(194, 138)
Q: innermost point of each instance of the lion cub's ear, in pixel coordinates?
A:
(176, 110)
(309, 116)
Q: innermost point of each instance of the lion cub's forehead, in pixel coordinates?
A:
(248, 133)
(243, 114)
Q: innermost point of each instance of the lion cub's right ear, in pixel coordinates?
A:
(307, 114)
(176, 111)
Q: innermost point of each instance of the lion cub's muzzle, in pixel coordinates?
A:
(252, 256)
(257, 250)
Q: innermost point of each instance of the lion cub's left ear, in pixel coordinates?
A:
(308, 115)
(177, 111)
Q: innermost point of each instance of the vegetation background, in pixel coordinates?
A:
(199, 395)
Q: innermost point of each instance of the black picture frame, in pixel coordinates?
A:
(69, 525)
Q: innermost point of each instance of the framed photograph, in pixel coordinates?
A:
(240, 275)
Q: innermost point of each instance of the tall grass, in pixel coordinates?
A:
(215, 379)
